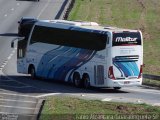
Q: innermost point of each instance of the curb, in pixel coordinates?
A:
(68, 10)
(62, 10)
(40, 108)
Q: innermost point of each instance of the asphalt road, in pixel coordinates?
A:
(20, 94)
(14, 104)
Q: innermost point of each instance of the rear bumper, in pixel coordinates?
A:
(124, 83)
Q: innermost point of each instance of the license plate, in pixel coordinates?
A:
(126, 82)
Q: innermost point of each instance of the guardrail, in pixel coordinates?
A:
(152, 77)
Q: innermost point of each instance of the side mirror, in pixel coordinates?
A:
(18, 38)
(12, 44)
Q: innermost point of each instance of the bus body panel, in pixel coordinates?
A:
(60, 62)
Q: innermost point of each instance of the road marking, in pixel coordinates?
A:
(12, 94)
(46, 95)
(12, 9)
(43, 9)
(5, 80)
(9, 57)
(17, 107)
(106, 99)
(5, 15)
(18, 4)
(15, 115)
(2, 66)
(14, 86)
(18, 82)
(9, 100)
(156, 104)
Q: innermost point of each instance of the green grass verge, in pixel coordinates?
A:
(149, 82)
(70, 108)
(133, 14)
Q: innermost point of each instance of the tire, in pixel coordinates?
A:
(77, 80)
(33, 72)
(117, 88)
(86, 81)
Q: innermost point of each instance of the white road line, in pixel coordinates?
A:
(14, 86)
(4, 63)
(15, 115)
(17, 107)
(9, 100)
(46, 95)
(156, 104)
(11, 54)
(9, 57)
(106, 99)
(12, 94)
(3, 66)
(12, 9)
(18, 82)
(18, 4)
(6, 80)
(13, 51)
(44, 8)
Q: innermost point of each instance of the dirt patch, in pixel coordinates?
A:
(123, 109)
(141, 2)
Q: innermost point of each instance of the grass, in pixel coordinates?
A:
(133, 14)
(149, 82)
(70, 108)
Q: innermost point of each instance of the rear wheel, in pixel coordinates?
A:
(86, 81)
(77, 80)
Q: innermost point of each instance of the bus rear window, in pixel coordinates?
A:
(126, 39)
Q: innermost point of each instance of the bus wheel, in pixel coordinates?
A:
(77, 80)
(33, 72)
(117, 88)
(86, 81)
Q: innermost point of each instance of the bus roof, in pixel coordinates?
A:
(81, 25)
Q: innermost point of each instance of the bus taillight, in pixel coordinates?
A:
(140, 73)
(110, 73)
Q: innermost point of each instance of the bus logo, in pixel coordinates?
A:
(127, 39)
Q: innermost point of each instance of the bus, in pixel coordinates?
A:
(82, 53)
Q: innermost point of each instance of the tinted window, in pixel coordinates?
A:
(22, 44)
(127, 38)
(72, 38)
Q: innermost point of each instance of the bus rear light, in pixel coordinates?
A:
(140, 73)
(110, 73)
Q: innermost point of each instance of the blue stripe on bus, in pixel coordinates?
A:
(55, 60)
(73, 63)
(60, 62)
(134, 67)
(43, 65)
(128, 68)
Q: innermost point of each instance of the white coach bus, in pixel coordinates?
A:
(83, 53)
